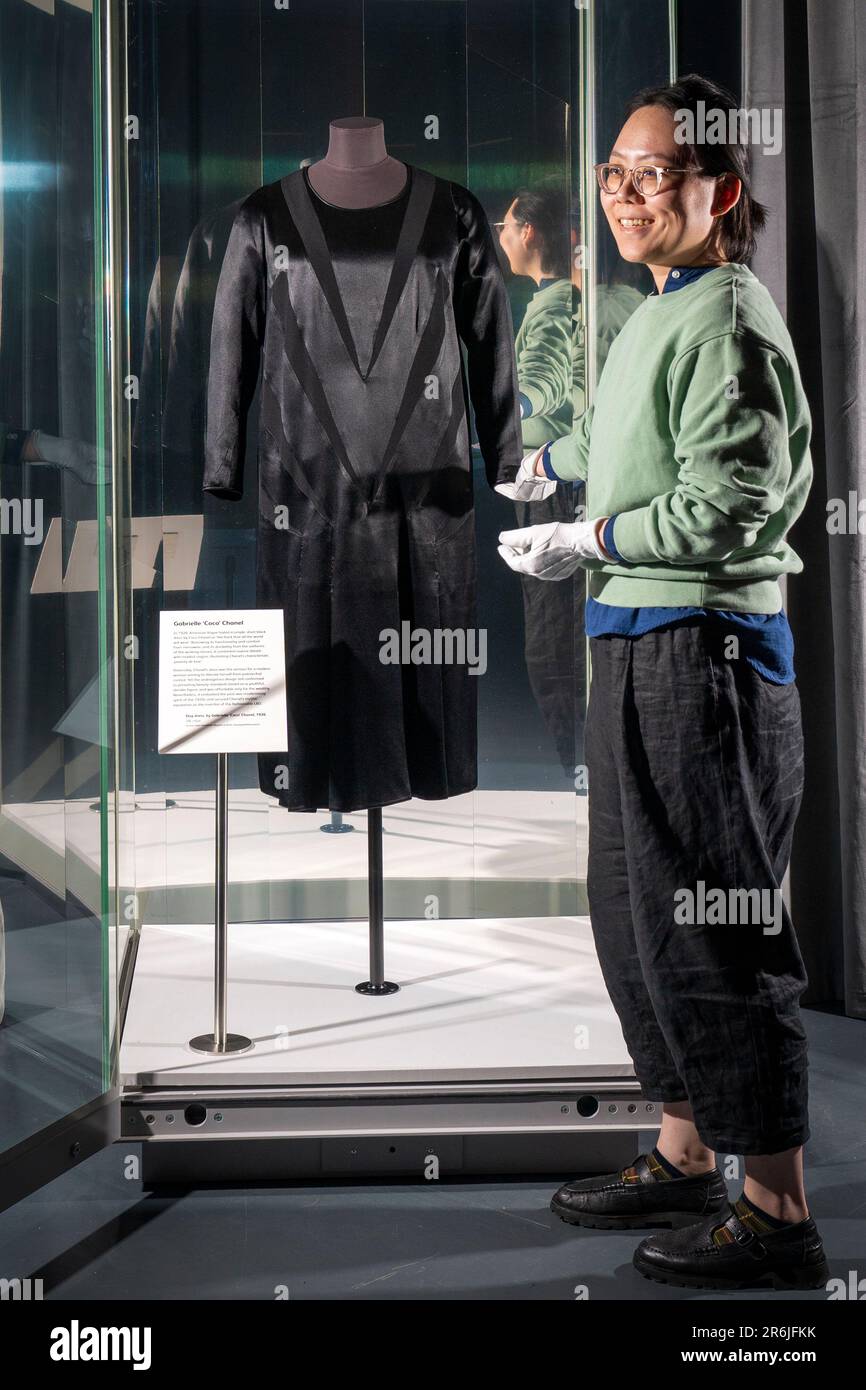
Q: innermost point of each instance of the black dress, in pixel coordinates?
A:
(364, 480)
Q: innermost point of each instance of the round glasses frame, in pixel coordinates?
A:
(639, 174)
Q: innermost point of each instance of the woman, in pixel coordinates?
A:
(696, 458)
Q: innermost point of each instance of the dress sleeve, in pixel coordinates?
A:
(237, 334)
(483, 316)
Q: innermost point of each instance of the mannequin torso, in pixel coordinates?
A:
(357, 171)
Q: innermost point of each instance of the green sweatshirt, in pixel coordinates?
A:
(544, 351)
(698, 439)
(614, 305)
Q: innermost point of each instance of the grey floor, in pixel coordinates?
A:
(95, 1234)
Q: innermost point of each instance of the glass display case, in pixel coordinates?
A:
(59, 594)
(500, 1044)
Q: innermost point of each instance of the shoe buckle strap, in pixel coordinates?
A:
(745, 1237)
(641, 1171)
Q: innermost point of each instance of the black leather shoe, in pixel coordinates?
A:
(727, 1253)
(639, 1196)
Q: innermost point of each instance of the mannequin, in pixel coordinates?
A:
(346, 325)
(349, 292)
(345, 320)
(357, 171)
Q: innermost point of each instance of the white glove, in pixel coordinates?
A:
(527, 486)
(552, 551)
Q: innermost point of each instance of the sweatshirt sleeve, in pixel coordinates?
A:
(569, 456)
(237, 333)
(483, 317)
(730, 430)
(544, 369)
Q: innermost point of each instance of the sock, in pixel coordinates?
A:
(667, 1168)
(756, 1218)
(660, 1168)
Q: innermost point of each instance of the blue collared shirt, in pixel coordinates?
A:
(765, 639)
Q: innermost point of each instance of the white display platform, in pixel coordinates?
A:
(484, 999)
(491, 834)
(480, 835)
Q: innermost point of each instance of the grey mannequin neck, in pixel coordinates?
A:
(357, 171)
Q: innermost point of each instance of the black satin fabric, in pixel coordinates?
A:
(355, 318)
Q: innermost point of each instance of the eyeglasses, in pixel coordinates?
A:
(517, 222)
(648, 179)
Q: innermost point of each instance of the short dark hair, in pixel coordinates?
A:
(546, 207)
(739, 227)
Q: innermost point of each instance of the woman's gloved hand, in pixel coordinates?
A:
(527, 485)
(554, 550)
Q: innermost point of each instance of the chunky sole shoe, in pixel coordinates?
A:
(640, 1196)
(728, 1254)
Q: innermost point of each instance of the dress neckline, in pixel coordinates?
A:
(374, 207)
(301, 200)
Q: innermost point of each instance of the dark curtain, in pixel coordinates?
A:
(808, 58)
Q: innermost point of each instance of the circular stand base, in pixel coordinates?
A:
(386, 987)
(206, 1042)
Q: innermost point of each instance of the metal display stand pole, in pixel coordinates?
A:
(219, 1040)
(377, 984)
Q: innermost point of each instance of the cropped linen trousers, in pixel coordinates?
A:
(695, 772)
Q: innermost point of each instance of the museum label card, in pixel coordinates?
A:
(222, 681)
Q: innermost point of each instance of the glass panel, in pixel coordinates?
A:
(57, 931)
(497, 105)
(521, 160)
(631, 51)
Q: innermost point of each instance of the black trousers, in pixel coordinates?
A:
(695, 774)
